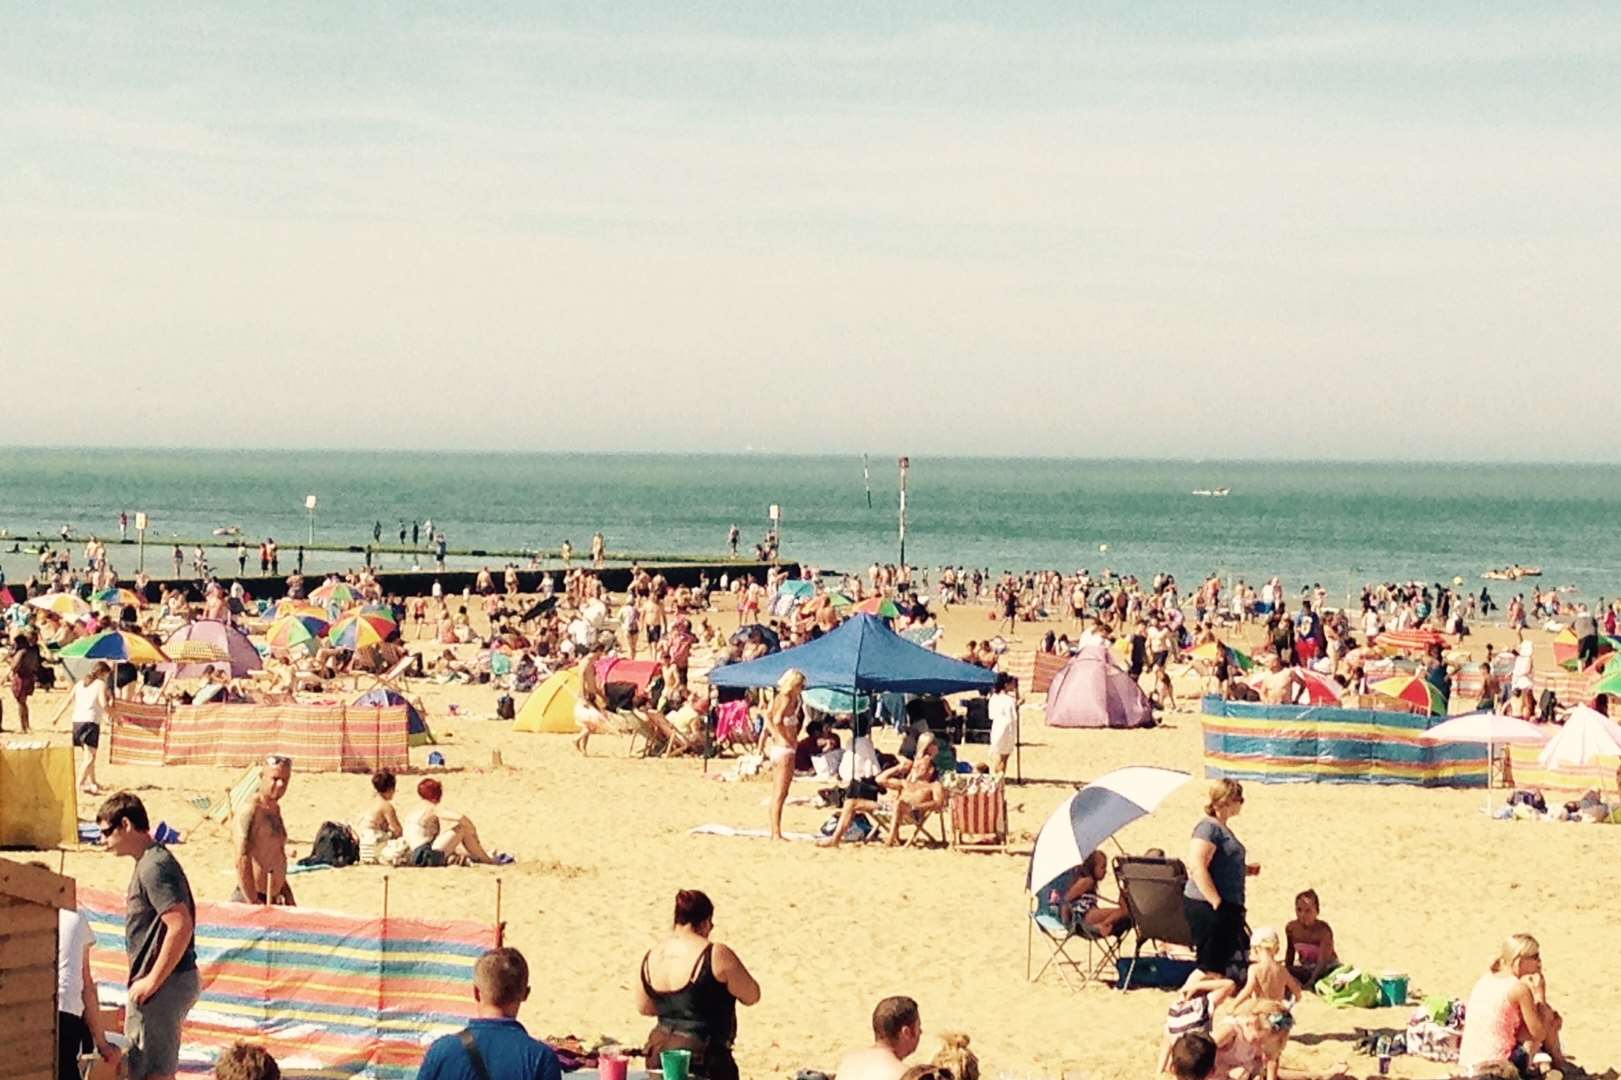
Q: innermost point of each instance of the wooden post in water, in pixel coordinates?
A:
(905, 464)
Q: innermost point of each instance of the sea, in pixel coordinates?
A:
(1334, 523)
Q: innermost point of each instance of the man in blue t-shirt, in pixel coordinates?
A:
(494, 1046)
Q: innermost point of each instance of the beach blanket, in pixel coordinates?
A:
(324, 992)
(319, 738)
(752, 834)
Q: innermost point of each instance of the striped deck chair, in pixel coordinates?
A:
(220, 811)
(978, 819)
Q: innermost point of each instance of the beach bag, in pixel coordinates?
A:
(335, 845)
(504, 707)
(1348, 987)
(861, 828)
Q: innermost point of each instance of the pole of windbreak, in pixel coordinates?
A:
(1018, 742)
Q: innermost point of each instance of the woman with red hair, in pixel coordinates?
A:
(440, 837)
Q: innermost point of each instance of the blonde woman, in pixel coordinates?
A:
(1217, 868)
(1508, 1018)
(781, 739)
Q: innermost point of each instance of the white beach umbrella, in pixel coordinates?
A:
(1087, 818)
(1489, 728)
(1587, 736)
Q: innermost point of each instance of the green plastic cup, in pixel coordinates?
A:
(676, 1064)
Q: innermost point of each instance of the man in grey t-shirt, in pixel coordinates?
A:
(159, 921)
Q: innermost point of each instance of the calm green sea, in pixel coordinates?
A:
(1309, 521)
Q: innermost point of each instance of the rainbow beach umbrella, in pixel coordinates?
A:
(1211, 651)
(1609, 682)
(115, 646)
(288, 606)
(1414, 640)
(358, 631)
(296, 632)
(67, 605)
(339, 594)
(879, 606)
(1566, 647)
(378, 611)
(1415, 691)
(117, 598)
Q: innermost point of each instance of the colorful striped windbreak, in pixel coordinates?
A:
(1310, 744)
(319, 738)
(326, 993)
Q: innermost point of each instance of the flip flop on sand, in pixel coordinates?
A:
(503, 859)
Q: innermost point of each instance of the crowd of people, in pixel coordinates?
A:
(689, 984)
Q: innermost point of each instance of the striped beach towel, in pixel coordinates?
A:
(327, 994)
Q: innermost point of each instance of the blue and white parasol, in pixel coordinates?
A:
(1087, 818)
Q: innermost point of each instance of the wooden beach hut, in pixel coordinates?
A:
(30, 898)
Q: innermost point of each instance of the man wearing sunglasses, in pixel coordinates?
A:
(261, 839)
(161, 916)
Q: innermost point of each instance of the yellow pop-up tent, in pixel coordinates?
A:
(551, 707)
(38, 801)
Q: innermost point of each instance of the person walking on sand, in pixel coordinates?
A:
(159, 923)
(782, 737)
(261, 839)
(599, 549)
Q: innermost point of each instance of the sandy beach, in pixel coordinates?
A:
(1412, 880)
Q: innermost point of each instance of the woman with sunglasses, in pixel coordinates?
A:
(1508, 1018)
(1214, 896)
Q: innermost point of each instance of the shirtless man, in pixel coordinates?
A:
(896, 1031)
(261, 839)
(920, 793)
(1280, 684)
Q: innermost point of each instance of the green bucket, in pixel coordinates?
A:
(1392, 989)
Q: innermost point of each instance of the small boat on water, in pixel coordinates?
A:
(1212, 493)
(1512, 572)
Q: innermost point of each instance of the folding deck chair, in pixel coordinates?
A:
(221, 810)
(392, 679)
(1102, 950)
(928, 829)
(1151, 890)
(978, 819)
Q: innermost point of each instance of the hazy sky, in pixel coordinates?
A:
(1133, 228)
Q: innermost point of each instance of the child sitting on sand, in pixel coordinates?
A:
(1250, 1043)
(1192, 1012)
(1268, 979)
(1310, 954)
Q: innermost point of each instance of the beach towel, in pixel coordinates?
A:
(752, 834)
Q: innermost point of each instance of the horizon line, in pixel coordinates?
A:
(768, 454)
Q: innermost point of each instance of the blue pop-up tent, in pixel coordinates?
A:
(862, 654)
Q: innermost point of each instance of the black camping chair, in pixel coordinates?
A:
(1151, 889)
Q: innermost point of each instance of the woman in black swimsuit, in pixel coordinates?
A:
(693, 986)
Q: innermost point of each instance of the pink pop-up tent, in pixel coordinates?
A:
(1091, 692)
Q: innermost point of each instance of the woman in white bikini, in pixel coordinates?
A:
(782, 736)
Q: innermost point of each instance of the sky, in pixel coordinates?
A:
(1191, 230)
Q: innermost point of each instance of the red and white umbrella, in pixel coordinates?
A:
(1488, 728)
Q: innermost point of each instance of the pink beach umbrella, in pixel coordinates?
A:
(1490, 729)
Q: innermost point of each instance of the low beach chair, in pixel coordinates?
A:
(927, 828)
(978, 819)
(1151, 890)
(1102, 950)
(393, 679)
(221, 810)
